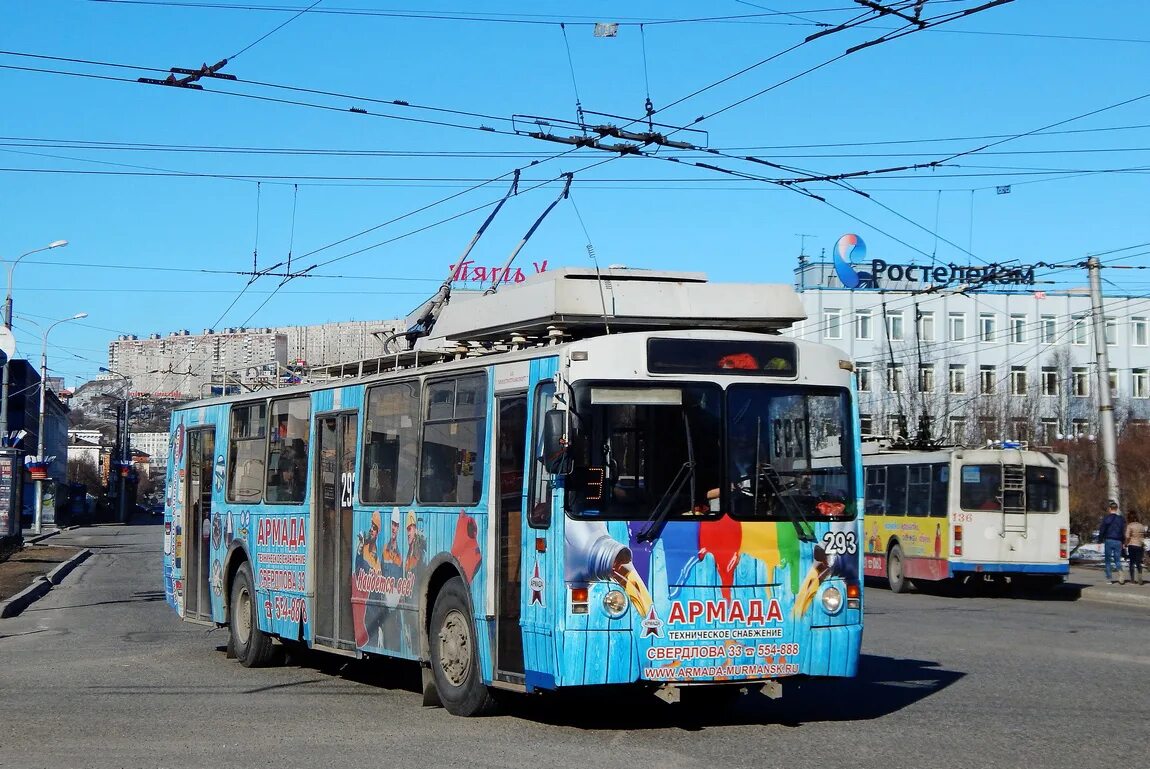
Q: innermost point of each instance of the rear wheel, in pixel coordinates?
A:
(253, 647)
(894, 570)
(454, 657)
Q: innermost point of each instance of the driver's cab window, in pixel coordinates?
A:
(639, 451)
(539, 505)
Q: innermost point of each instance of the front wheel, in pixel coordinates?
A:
(894, 571)
(454, 658)
(253, 647)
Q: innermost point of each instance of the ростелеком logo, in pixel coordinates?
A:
(850, 248)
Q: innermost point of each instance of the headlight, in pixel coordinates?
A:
(614, 603)
(832, 600)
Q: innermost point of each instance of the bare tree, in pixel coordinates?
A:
(82, 471)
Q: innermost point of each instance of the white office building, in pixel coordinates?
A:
(154, 444)
(981, 356)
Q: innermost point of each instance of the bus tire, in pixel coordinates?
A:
(895, 575)
(454, 657)
(253, 647)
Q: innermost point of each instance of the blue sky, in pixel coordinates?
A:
(145, 224)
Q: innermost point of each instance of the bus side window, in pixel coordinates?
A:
(918, 490)
(288, 450)
(246, 453)
(539, 503)
(875, 499)
(896, 490)
(391, 444)
(940, 490)
(454, 436)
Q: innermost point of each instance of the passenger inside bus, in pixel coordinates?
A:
(291, 473)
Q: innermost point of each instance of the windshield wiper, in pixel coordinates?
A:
(775, 482)
(764, 470)
(662, 511)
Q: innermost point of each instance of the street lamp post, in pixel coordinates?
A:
(8, 324)
(40, 453)
(125, 445)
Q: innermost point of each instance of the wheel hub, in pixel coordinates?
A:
(455, 648)
(244, 615)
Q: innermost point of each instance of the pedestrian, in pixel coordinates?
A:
(1135, 544)
(1112, 531)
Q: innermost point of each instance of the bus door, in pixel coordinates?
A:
(511, 432)
(198, 509)
(335, 478)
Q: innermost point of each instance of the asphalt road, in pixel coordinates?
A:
(99, 673)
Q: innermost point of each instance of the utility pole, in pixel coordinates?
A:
(1106, 429)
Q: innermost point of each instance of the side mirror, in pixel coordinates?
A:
(554, 449)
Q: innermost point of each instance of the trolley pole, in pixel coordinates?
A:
(1106, 430)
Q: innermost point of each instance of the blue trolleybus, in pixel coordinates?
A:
(539, 495)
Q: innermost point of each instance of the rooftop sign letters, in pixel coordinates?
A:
(850, 249)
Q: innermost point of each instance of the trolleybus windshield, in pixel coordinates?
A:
(658, 452)
(645, 451)
(789, 453)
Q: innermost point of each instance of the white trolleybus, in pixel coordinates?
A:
(574, 481)
(1000, 513)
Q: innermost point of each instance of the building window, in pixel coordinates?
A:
(1078, 329)
(897, 425)
(957, 326)
(986, 429)
(866, 424)
(1080, 426)
(986, 327)
(894, 326)
(1049, 380)
(1018, 380)
(926, 378)
(1021, 429)
(957, 378)
(1049, 326)
(862, 376)
(1138, 332)
(832, 324)
(1049, 430)
(957, 429)
(1140, 383)
(1018, 328)
(894, 375)
(863, 324)
(926, 326)
(1111, 330)
(1113, 382)
(986, 379)
(1081, 381)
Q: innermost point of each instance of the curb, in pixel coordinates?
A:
(41, 537)
(56, 576)
(24, 598)
(41, 586)
(1115, 598)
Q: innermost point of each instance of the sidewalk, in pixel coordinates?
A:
(45, 560)
(1089, 580)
